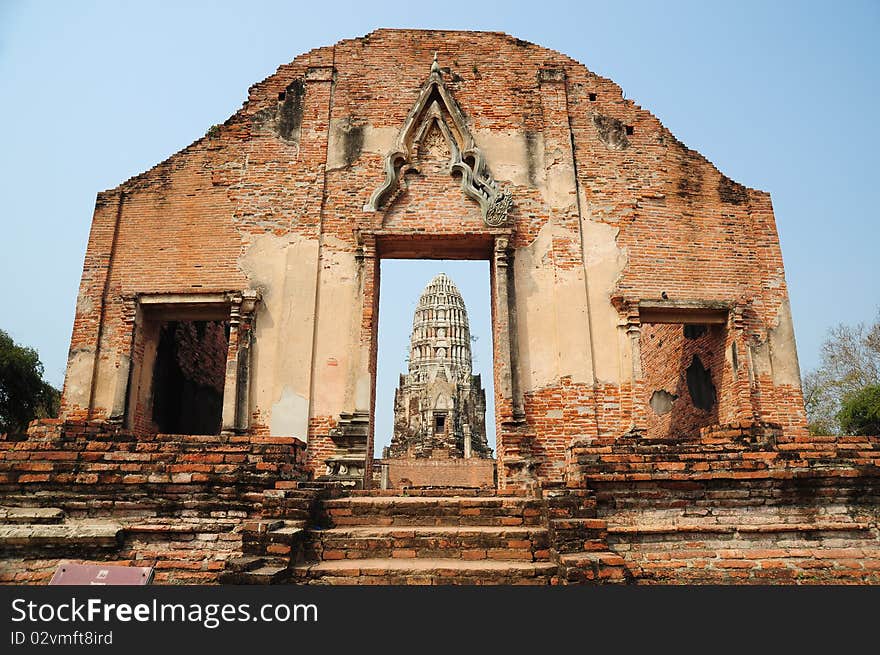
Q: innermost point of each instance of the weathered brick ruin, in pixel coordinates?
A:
(650, 424)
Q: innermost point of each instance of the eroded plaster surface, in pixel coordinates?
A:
(284, 269)
(783, 349)
(513, 156)
(604, 261)
(550, 300)
(347, 140)
(337, 337)
(78, 380)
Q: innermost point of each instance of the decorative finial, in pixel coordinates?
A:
(435, 67)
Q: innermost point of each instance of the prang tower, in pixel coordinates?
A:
(440, 405)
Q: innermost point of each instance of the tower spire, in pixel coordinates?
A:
(441, 336)
(440, 405)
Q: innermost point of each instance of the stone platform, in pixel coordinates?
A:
(725, 510)
(461, 473)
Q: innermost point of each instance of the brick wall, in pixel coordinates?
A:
(666, 354)
(176, 501)
(739, 506)
(683, 228)
(98, 469)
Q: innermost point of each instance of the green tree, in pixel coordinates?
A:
(850, 363)
(860, 413)
(24, 395)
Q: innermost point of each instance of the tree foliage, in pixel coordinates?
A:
(24, 395)
(860, 413)
(850, 364)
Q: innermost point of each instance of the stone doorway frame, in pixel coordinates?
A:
(235, 307)
(492, 245)
(635, 313)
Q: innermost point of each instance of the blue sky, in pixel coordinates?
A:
(781, 96)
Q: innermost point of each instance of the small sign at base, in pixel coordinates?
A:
(101, 574)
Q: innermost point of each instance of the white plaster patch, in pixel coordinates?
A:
(559, 189)
(107, 381)
(84, 304)
(285, 270)
(783, 349)
(761, 358)
(507, 154)
(536, 315)
(604, 261)
(337, 334)
(290, 415)
(379, 140)
(78, 380)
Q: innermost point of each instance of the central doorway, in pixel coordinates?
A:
(405, 361)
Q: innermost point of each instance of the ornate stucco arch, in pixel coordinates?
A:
(436, 106)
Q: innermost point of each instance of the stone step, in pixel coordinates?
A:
(433, 501)
(31, 515)
(244, 564)
(108, 501)
(318, 485)
(574, 535)
(811, 563)
(603, 567)
(435, 492)
(262, 526)
(80, 534)
(274, 538)
(294, 489)
(427, 511)
(425, 572)
(274, 572)
(280, 504)
(522, 543)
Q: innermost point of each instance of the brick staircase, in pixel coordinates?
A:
(580, 543)
(448, 539)
(273, 545)
(313, 534)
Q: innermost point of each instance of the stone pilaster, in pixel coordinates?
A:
(236, 387)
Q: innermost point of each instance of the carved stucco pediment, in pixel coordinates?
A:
(436, 106)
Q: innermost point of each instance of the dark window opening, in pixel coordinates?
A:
(629, 130)
(189, 376)
(699, 382)
(693, 331)
(282, 95)
(439, 423)
(592, 97)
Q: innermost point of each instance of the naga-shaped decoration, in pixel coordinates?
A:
(436, 105)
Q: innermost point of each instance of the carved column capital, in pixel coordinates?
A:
(235, 310)
(129, 309)
(501, 251)
(250, 298)
(737, 317)
(366, 245)
(633, 319)
(242, 304)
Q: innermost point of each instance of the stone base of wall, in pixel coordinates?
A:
(90, 492)
(461, 473)
(744, 505)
